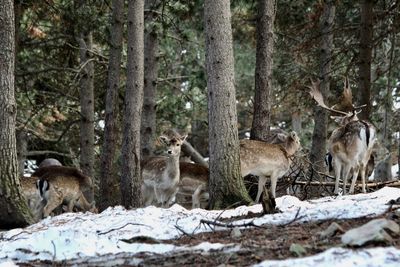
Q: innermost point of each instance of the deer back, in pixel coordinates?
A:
(352, 139)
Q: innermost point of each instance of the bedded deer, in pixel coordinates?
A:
(161, 173)
(267, 160)
(351, 143)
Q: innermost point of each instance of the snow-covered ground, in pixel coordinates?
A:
(76, 235)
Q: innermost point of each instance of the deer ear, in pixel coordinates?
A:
(293, 134)
(163, 139)
(183, 137)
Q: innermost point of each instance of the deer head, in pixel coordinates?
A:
(345, 109)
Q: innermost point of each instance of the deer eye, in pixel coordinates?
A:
(177, 144)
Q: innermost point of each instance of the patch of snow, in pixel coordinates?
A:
(377, 257)
(78, 235)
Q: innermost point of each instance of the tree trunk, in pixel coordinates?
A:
(263, 73)
(226, 184)
(22, 150)
(109, 143)
(148, 128)
(318, 147)
(87, 109)
(131, 180)
(365, 57)
(14, 211)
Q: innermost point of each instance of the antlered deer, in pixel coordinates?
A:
(161, 173)
(267, 160)
(351, 144)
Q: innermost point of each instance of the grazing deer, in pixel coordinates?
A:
(193, 185)
(351, 144)
(161, 173)
(267, 160)
(64, 185)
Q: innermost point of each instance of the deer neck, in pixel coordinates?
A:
(290, 147)
(173, 167)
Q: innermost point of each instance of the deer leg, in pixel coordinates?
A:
(337, 168)
(345, 175)
(363, 171)
(52, 203)
(274, 180)
(356, 170)
(261, 183)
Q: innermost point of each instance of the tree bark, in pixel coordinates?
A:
(14, 211)
(318, 147)
(365, 57)
(109, 143)
(87, 108)
(263, 73)
(226, 184)
(131, 179)
(148, 128)
(22, 150)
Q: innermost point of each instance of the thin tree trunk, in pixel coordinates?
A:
(263, 73)
(14, 211)
(226, 185)
(148, 128)
(131, 179)
(87, 109)
(365, 58)
(318, 147)
(109, 144)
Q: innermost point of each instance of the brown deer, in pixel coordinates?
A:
(267, 160)
(32, 196)
(351, 144)
(64, 185)
(161, 173)
(193, 185)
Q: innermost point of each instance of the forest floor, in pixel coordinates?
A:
(250, 246)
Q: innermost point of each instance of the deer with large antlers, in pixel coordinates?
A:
(351, 144)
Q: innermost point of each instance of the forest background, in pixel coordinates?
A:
(63, 66)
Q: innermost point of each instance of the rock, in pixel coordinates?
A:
(373, 231)
(297, 249)
(332, 229)
(235, 233)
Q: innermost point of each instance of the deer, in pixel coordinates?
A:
(60, 185)
(161, 173)
(267, 160)
(193, 185)
(32, 196)
(351, 143)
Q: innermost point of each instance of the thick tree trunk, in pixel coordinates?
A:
(131, 180)
(87, 109)
(263, 73)
(365, 57)
(14, 211)
(107, 180)
(148, 128)
(318, 147)
(226, 185)
(22, 150)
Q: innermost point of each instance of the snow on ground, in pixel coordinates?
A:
(74, 235)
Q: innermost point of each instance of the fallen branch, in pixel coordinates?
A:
(230, 225)
(378, 184)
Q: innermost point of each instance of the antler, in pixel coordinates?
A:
(316, 94)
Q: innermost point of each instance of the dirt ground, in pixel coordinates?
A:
(256, 244)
